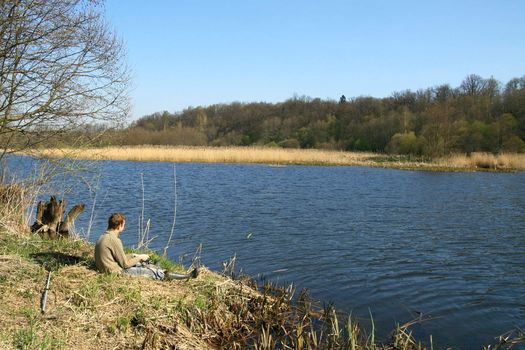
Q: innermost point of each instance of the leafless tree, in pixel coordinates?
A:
(473, 85)
(61, 67)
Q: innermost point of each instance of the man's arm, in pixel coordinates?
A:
(143, 257)
(124, 260)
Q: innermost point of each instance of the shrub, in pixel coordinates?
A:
(289, 143)
(405, 143)
(272, 144)
(514, 144)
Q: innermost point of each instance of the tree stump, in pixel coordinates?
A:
(49, 223)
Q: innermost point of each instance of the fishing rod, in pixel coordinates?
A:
(43, 300)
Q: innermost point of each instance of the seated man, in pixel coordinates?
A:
(110, 256)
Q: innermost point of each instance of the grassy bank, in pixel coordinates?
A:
(89, 310)
(281, 156)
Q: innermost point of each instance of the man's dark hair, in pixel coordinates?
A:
(115, 220)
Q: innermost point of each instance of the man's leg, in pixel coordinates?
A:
(145, 271)
(182, 276)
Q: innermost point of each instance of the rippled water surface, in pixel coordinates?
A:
(394, 243)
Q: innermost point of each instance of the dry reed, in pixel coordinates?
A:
(489, 161)
(217, 155)
(14, 199)
(286, 156)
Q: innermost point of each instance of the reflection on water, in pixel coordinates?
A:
(397, 243)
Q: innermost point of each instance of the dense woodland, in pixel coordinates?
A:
(479, 115)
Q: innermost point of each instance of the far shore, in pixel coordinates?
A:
(290, 156)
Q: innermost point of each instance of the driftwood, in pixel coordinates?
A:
(49, 215)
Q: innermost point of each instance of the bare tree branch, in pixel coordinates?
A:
(60, 68)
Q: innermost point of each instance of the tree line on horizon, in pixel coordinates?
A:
(479, 115)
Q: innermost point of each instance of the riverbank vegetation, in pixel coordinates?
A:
(286, 156)
(480, 115)
(478, 125)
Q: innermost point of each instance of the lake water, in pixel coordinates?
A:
(394, 243)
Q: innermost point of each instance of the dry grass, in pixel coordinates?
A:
(85, 309)
(218, 155)
(286, 156)
(13, 201)
(503, 161)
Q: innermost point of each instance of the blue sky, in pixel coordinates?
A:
(200, 52)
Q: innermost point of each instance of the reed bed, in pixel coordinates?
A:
(488, 161)
(218, 155)
(287, 156)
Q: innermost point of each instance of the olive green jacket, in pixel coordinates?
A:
(109, 253)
